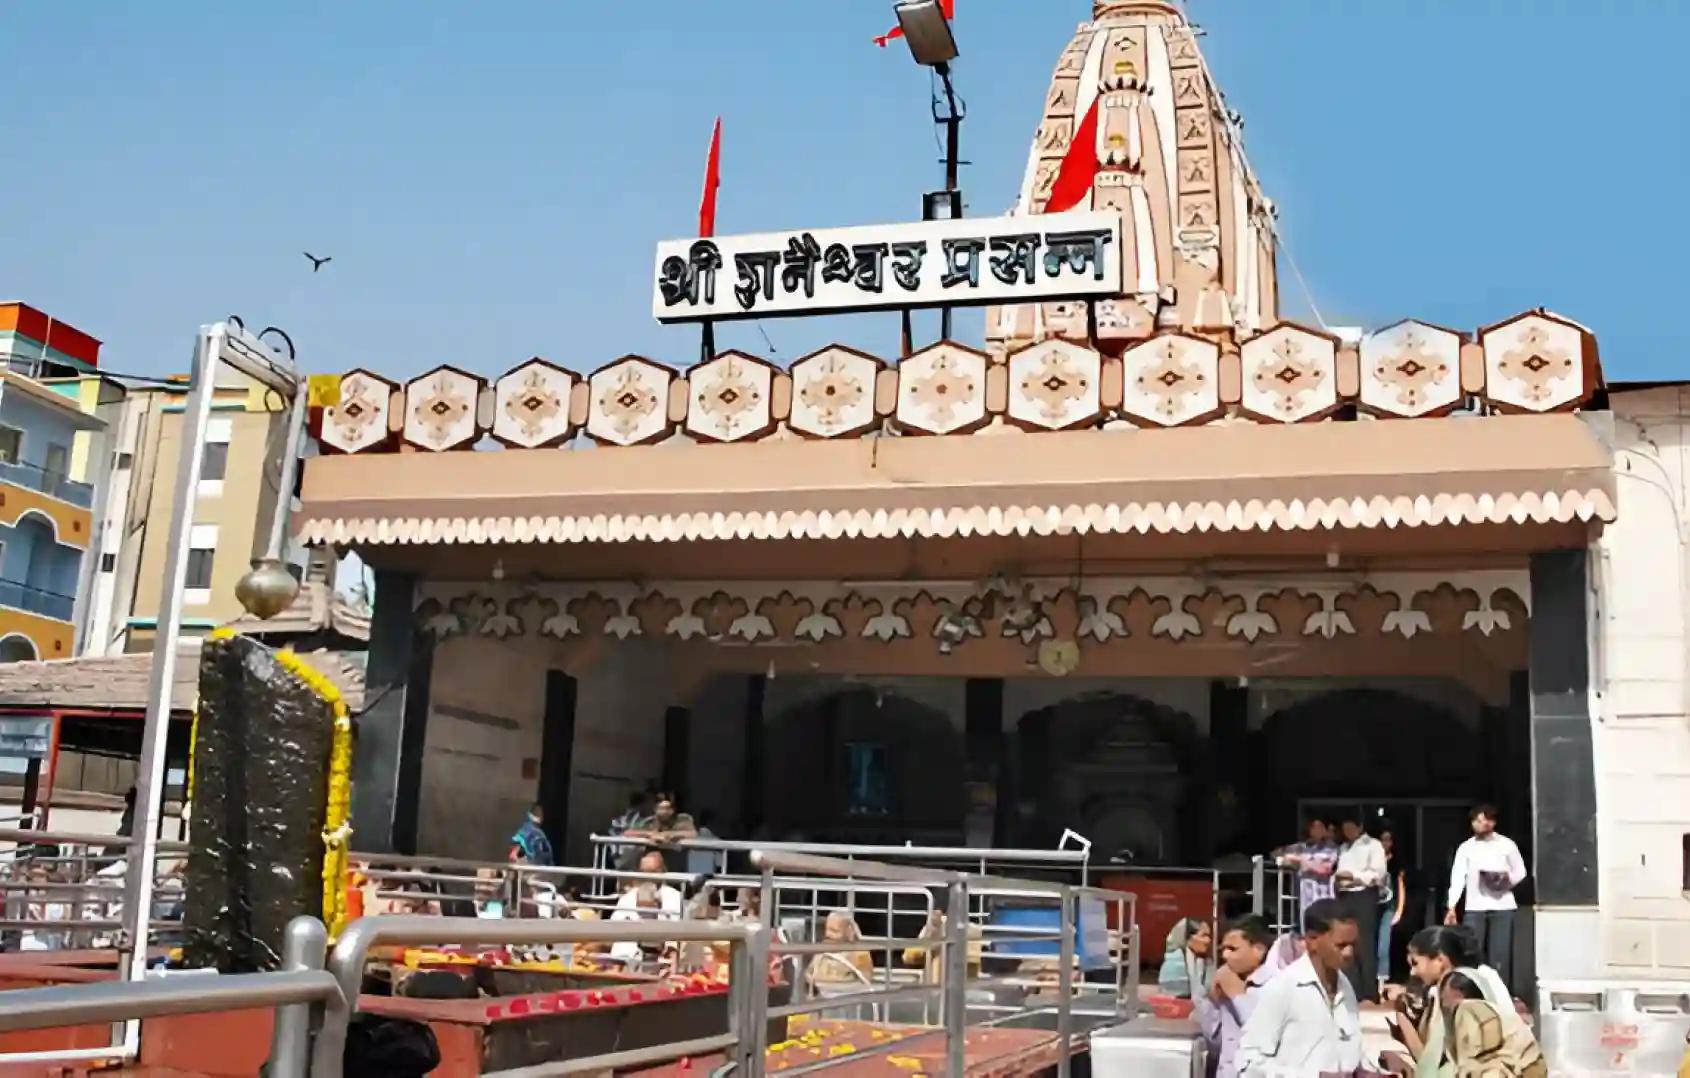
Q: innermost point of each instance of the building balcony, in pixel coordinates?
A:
(30, 600)
(52, 484)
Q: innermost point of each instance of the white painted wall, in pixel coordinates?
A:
(1642, 723)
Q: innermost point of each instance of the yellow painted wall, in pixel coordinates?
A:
(52, 639)
(71, 523)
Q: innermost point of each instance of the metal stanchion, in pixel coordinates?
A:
(956, 978)
(304, 946)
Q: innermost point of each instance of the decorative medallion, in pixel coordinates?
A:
(531, 405)
(360, 420)
(1054, 385)
(942, 389)
(1535, 362)
(1172, 380)
(628, 402)
(833, 393)
(440, 410)
(1411, 369)
(728, 398)
(1290, 374)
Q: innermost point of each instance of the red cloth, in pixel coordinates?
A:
(948, 7)
(712, 180)
(1079, 166)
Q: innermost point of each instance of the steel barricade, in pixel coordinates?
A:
(747, 989)
(301, 985)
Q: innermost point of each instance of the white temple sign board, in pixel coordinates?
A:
(922, 264)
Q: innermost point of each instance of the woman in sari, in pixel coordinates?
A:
(1482, 1042)
(1186, 971)
(1486, 1040)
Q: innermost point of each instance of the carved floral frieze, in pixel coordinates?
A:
(1094, 612)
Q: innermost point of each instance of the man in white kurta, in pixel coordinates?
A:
(1307, 1022)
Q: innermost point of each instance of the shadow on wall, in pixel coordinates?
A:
(861, 765)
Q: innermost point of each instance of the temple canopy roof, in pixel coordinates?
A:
(1184, 406)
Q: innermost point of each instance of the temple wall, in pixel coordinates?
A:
(1640, 703)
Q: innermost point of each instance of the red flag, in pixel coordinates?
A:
(948, 7)
(1079, 166)
(712, 180)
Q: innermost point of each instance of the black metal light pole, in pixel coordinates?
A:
(928, 33)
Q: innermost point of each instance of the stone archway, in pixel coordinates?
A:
(1113, 767)
(864, 765)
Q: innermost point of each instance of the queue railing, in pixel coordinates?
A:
(1069, 862)
(747, 987)
(301, 991)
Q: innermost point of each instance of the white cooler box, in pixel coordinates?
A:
(1597, 1029)
(1149, 1047)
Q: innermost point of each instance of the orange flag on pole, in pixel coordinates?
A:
(712, 180)
(1079, 166)
(948, 7)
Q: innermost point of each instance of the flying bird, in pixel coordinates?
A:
(318, 263)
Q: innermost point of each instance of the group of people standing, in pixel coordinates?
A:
(1290, 1004)
(1365, 876)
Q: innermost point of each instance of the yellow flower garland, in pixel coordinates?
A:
(337, 825)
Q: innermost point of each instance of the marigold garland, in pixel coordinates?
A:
(337, 825)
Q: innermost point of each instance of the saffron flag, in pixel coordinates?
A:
(1078, 168)
(712, 180)
(948, 7)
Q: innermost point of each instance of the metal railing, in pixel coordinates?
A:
(610, 849)
(984, 962)
(748, 1002)
(51, 483)
(48, 604)
(300, 989)
(64, 890)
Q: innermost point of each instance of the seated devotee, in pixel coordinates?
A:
(1487, 1036)
(669, 898)
(931, 960)
(842, 966)
(1186, 971)
(643, 903)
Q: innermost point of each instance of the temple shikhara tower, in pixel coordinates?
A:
(1198, 243)
(1149, 561)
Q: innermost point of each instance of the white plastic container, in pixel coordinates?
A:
(1149, 1047)
(1595, 1029)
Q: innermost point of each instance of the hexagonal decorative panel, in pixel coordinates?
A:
(1054, 385)
(1290, 374)
(833, 393)
(1535, 362)
(628, 401)
(440, 410)
(728, 398)
(1172, 380)
(360, 421)
(942, 389)
(531, 405)
(1411, 369)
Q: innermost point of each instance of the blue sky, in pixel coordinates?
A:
(491, 179)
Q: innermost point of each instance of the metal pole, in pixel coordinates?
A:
(304, 945)
(1065, 984)
(952, 120)
(754, 1029)
(955, 979)
(149, 794)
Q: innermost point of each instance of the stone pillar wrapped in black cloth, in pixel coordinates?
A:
(260, 785)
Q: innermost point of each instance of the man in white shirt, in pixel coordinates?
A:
(645, 900)
(1487, 868)
(1306, 1020)
(1361, 870)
